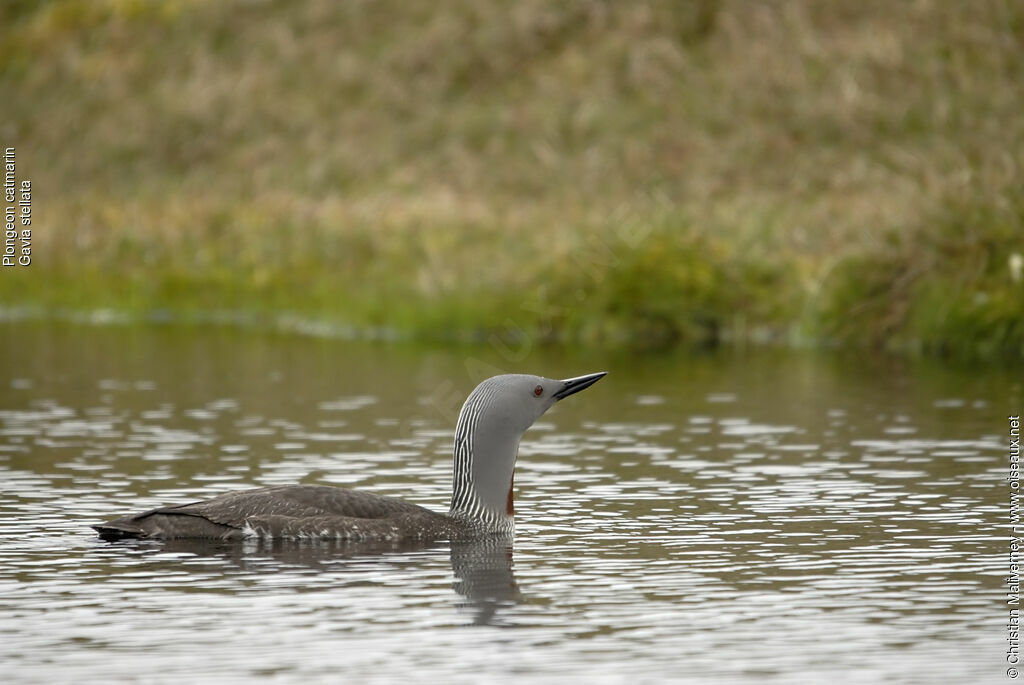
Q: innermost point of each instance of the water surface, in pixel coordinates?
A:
(727, 518)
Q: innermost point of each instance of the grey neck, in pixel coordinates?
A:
(485, 457)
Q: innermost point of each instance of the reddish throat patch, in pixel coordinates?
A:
(509, 509)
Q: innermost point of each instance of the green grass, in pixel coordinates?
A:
(643, 173)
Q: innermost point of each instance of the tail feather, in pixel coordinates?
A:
(120, 529)
(165, 525)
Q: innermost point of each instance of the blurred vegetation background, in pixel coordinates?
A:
(633, 173)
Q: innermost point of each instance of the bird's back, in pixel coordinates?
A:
(288, 511)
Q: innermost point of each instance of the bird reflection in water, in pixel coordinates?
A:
(482, 568)
(484, 576)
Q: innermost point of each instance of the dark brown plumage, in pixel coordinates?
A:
(290, 511)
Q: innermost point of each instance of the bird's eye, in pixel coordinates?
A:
(538, 391)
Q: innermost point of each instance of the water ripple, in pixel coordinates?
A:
(856, 543)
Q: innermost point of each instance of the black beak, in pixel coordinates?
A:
(572, 386)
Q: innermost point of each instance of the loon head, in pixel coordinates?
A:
(491, 423)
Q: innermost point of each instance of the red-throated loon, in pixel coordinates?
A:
(493, 419)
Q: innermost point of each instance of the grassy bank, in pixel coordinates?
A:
(619, 173)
